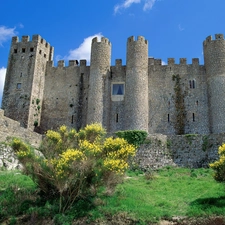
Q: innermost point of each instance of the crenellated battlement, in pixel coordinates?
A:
(35, 39)
(171, 61)
(218, 37)
(71, 63)
(118, 62)
(103, 40)
(139, 39)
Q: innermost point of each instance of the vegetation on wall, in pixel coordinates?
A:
(179, 124)
(134, 137)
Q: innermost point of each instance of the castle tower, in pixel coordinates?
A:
(24, 83)
(99, 71)
(136, 93)
(214, 57)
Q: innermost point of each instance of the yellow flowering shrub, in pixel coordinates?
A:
(116, 165)
(53, 135)
(88, 147)
(219, 165)
(75, 162)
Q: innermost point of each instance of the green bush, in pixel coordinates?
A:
(74, 164)
(134, 137)
(219, 165)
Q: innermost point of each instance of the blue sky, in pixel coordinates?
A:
(173, 28)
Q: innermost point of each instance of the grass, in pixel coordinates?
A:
(169, 192)
(173, 192)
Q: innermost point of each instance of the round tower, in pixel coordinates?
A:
(214, 57)
(99, 69)
(136, 93)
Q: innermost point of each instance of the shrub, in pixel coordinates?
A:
(134, 137)
(219, 165)
(75, 164)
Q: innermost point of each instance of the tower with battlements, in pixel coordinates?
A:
(25, 79)
(176, 98)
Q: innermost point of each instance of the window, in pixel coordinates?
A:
(31, 49)
(45, 55)
(39, 51)
(168, 117)
(192, 83)
(15, 50)
(118, 89)
(193, 117)
(117, 118)
(23, 50)
(18, 86)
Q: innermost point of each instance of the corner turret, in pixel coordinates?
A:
(214, 57)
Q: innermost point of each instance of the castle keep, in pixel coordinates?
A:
(143, 94)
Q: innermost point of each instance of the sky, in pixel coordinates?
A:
(173, 28)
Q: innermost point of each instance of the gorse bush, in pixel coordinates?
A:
(219, 165)
(73, 165)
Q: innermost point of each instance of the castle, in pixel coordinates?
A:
(144, 94)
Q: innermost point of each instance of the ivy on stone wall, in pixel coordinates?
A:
(179, 124)
(134, 137)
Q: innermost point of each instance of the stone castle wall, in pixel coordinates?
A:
(190, 150)
(10, 128)
(169, 99)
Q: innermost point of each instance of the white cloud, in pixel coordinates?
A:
(180, 27)
(125, 4)
(164, 63)
(6, 33)
(83, 51)
(2, 81)
(148, 4)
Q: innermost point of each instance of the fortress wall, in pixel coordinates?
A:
(193, 151)
(64, 96)
(10, 128)
(115, 105)
(162, 97)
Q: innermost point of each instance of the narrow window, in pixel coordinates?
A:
(31, 49)
(15, 50)
(18, 86)
(72, 119)
(42, 41)
(190, 83)
(197, 103)
(193, 84)
(168, 103)
(39, 51)
(193, 117)
(168, 117)
(117, 117)
(21, 74)
(45, 55)
(23, 50)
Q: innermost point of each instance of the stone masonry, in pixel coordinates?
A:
(172, 99)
